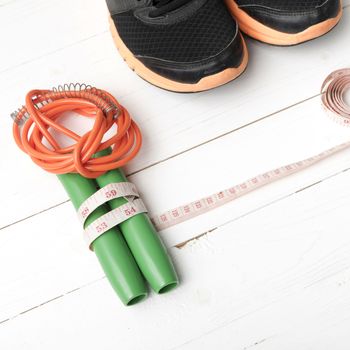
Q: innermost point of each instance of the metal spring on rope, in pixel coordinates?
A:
(88, 92)
(70, 90)
(20, 116)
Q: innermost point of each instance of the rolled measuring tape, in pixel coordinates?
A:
(333, 100)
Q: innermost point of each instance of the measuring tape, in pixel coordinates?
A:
(333, 91)
(114, 217)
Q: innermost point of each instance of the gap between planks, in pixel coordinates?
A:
(270, 115)
(346, 5)
(180, 246)
(51, 300)
(266, 205)
(52, 52)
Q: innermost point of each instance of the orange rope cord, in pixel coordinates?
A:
(42, 111)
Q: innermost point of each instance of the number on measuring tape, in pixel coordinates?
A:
(113, 218)
(111, 191)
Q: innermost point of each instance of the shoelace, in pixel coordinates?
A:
(165, 6)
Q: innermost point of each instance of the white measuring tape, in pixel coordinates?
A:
(105, 194)
(114, 217)
(333, 90)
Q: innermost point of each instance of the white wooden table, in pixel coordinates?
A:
(273, 269)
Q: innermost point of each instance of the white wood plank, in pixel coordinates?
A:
(56, 232)
(288, 282)
(282, 286)
(171, 123)
(292, 135)
(32, 29)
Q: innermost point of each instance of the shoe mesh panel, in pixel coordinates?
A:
(204, 34)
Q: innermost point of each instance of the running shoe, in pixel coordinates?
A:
(179, 45)
(285, 22)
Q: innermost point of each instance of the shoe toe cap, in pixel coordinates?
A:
(294, 19)
(192, 72)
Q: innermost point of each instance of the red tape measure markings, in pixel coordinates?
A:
(333, 100)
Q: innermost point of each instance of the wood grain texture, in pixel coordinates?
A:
(267, 276)
(180, 122)
(272, 269)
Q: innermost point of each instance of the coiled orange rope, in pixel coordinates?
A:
(42, 111)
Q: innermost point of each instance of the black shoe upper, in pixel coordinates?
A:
(183, 40)
(290, 16)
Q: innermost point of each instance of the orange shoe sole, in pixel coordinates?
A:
(206, 83)
(268, 35)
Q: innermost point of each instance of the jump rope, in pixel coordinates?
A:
(116, 225)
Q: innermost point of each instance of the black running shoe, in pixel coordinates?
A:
(179, 45)
(286, 22)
